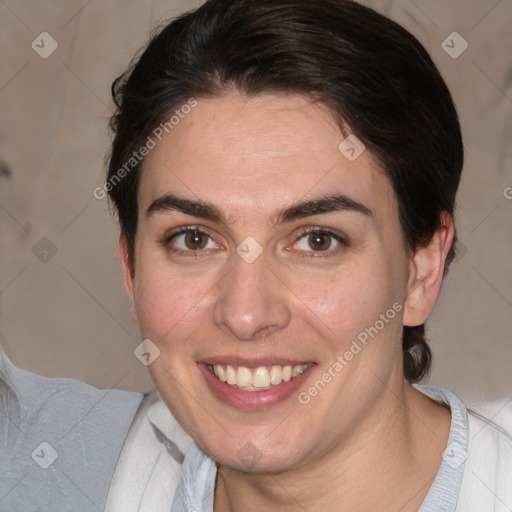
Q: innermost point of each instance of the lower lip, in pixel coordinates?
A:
(252, 400)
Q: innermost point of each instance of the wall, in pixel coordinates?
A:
(63, 309)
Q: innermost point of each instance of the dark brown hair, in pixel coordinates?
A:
(373, 74)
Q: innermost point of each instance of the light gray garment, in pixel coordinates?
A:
(59, 441)
(98, 445)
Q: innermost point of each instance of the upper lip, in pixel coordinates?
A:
(252, 362)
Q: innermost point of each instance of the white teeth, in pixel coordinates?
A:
(230, 376)
(297, 370)
(221, 373)
(276, 375)
(243, 377)
(260, 378)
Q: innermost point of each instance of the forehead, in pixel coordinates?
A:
(259, 153)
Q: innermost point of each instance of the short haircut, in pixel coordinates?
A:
(374, 76)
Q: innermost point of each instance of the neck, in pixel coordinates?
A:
(387, 463)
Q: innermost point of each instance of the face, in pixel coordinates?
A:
(261, 251)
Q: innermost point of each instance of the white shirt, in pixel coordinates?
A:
(66, 446)
(162, 470)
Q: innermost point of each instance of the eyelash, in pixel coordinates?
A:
(322, 231)
(167, 239)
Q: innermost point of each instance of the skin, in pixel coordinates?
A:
(378, 439)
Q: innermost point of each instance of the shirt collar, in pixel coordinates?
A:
(196, 487)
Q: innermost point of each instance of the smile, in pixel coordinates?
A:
(256, 379)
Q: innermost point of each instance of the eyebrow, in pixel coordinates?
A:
(318, 206)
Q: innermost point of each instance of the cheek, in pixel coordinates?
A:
(344, 302)
(169, 303)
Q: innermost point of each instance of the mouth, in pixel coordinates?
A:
(261, 378)
(261, 385)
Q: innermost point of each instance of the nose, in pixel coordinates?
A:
(252, 301)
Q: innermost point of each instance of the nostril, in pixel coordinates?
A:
(264, 331)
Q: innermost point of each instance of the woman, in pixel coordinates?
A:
(285, 173)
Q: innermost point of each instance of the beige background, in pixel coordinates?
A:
(69, 316)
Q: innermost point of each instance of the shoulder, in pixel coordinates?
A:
(487, 482)
(59, 439)
(150, 464)
(479, 450)
(490, 430)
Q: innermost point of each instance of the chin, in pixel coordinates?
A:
(252, 458)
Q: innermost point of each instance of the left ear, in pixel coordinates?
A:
(426, 274)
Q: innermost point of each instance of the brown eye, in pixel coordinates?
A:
(195, 240)
(190, 241)
(319, 241)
